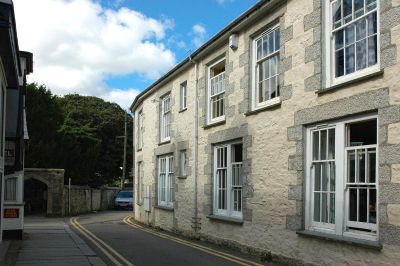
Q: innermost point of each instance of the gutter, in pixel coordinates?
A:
(195, 219)
(228, 29)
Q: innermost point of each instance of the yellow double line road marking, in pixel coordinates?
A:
(113, 255)
(127, 220)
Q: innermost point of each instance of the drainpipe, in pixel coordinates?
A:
(195, 218)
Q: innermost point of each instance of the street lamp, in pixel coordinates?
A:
(125, 144)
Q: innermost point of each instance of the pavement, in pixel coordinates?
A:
(50, 241)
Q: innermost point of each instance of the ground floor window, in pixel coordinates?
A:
(228, 179)
(166, 181)
(10, 190)
(342, 178)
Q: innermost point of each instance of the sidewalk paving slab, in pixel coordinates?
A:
(50, 241)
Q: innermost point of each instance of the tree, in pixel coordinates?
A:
(85, 140)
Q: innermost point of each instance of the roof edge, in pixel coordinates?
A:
(222, 32)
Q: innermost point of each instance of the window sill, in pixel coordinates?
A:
(183, 110)
(182, 177)
(343, 239)
(13, 203)
(335, 86)
(268, 105)
(165, 208)
(231, 220)
(164, 142)
(214, 124)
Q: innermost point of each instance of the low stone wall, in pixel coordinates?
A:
(85, 199)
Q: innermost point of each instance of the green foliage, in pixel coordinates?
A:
(76, 133)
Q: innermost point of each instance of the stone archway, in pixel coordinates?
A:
(37, 179)
(35, 197)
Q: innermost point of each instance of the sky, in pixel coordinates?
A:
(114, 49)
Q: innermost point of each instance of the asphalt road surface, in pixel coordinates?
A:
(115, 237)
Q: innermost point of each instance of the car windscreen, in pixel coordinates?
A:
(125, 194)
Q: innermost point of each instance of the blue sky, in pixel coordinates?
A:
(114, 49)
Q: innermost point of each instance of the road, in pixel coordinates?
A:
(115, 237)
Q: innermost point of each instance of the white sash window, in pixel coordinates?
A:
(165, 116)
(342, 188)
(166, 181)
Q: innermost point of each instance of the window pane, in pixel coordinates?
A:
(271, 43)
(331, 143)
(347, 10)
(372, 206)
(332, 209)
(349, 38)
(324, 141)
(353, 204)
(324, 206)
(274, 86)
(372, 165)
(317, 177)
(259, 49)
(267, 86)
(358, 8)
(339, 69)
(371, 4)
(260, 92)
(361, 166)
(361, 54)
(325, 177)
(372, 24)
(372, 51)
(266, 67)
(265, 46)
(332, 178)
(317, 202)
(315, 145)
(339, 39)
(274, 65)
(351, 166)
(361, 29)
(350, 59)
(363, 205)
(10, 189)
(337, 14)
(277, 39)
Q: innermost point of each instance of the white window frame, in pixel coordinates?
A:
(211, 120)
(329, 54)
(341, 205)
(183, 162)
(254, 72)
(183, 96)
(229, 211)
(165, 118)
(166, 183)
(140, 130)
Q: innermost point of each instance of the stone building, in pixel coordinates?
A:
(281, 134)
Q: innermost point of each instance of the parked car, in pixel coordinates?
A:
(124, 199)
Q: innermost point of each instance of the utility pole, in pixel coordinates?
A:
(125, 143)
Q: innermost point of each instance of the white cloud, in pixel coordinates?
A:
(123, 97)
(77, 44)
(199, 35)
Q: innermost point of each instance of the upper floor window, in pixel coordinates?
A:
(216, 91)
(354, 38)
(266, 67)
(140, 130)
(165, 118)
(183, 96)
